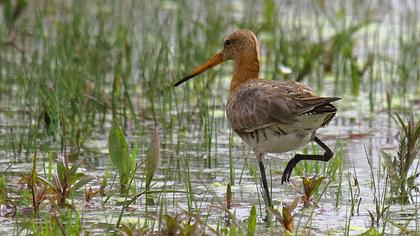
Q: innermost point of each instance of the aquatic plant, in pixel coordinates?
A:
(310, 187)
(12, 10)
(90, 193)
(34, 188)
(152, 158)
(399, 166)
(229, 196)
(67, 179)
(354, 192)
(58, 64)
(381, 210)
(252, 221)
(371, 232)
(3, 189)
(120, 157)
(286, 216)
(130, 229)
(178, 225)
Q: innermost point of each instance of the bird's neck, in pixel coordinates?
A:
(245, 68)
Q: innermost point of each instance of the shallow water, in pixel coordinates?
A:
(197, 162)
(360, 134)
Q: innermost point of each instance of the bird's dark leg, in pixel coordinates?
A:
(328, 154)
(264, 179)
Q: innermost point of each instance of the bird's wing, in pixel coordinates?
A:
(261, 103)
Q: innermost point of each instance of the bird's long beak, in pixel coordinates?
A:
(213, 61)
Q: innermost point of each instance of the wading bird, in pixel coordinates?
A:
(270, 116)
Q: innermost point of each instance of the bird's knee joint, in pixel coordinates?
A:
(260, 157)
(328, 155)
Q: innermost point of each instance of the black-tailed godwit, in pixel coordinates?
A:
(271, 116)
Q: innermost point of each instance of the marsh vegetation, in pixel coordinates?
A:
(94, 139)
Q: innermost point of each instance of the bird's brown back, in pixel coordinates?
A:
(261, 103)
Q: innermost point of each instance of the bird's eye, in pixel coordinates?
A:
(228, 42)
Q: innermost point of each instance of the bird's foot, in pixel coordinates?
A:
(285, 178)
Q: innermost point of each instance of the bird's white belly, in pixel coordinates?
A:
(272, 142)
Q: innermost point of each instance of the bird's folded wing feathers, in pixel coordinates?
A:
(262, 103)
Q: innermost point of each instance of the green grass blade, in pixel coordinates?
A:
(252, 224)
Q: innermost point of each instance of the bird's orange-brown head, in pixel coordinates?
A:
(242, 47)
